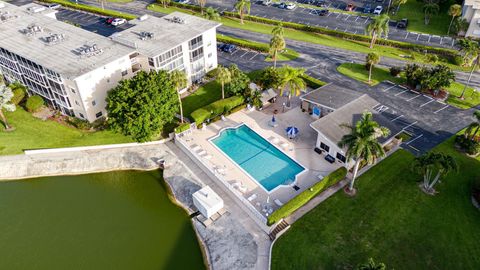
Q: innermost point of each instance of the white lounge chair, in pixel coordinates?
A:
(284, 145)
(320, 176)
(207, 157)
(196, 147)
(252, 197)
(223, 118)
(278, 202)
(275, 140)
(202, 153)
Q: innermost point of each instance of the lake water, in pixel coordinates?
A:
(115, 220)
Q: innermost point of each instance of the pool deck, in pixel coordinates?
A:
(300, 149)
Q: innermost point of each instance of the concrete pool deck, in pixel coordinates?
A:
(198, 143)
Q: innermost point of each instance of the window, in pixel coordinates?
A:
(341, 158)
(76, 102)
(73, 90)
(324, 147)
(209, 55)
(124, 73)
(99, 114)
(81, 115)
(94, 103)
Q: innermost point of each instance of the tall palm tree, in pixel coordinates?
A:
(362, 142)
(432, 166)
(179, 79)
(469, 48)
(371, 265)
(6, 96)
(242, 7)
(473, 128)
(102, 3)
(399, 2)
(455, 10)
(278, 30)
(211, 14)
(277, 44)
(164, 3)
(201, 3)
(291, 79)
(430, 9)
(372, 59)
(377, 27)
(223, 76)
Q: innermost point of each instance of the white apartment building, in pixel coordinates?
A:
(73, 69)
(471, 13)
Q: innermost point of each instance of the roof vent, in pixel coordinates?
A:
(6, 16)
(36, 9)
(32, 29)
(53, 39)
(178, 20)
(89, 50)
(146, 35)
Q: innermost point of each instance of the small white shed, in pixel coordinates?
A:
(207, 201)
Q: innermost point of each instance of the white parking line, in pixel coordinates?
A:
(254, 56)
(401, 92)
(414, 97)
(335, 28)
(366, 20)
(427, 103)
(441, 109)
(441, 39)
(339, 14)
(397, 118)
(234, 52)
(385, 90)
(414, 139)
(244, 54)
(348, 16)
(410, 125)
(381, 108)
(407, 35)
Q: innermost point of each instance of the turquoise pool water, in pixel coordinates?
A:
(266, 164)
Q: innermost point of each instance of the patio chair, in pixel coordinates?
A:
(274, 140)
(284, 145)
(252, 197)
(223, 118)
(320, 176)
(278, 202)
(202, 153)
(195, 147)
(207, 156)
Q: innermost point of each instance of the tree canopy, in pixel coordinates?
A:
(238, 83)
(140, 107)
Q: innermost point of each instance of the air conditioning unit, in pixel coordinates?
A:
(143, 17)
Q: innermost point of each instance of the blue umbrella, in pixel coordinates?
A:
(292, 131)
(273, 119)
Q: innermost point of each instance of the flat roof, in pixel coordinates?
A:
(330, 125)
(63, 57)
(167, 32)
(331, 95)
(207, 197)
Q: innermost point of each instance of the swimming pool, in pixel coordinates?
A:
(261, 160)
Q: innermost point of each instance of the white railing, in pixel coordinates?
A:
(210, 170)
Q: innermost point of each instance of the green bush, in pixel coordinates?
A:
(470, 147)
(19, 93)
(79, 123)
(257, 46)
(100, 123)
(304, 197)
(186, 6)
(34, 103)
(395, 71)
(211, 74)
(313, 82)
(181, 128)
(92, 9)
(216, 109)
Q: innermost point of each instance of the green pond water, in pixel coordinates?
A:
(115, 220)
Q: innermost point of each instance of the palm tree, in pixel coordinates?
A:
(102, 3)
(372, 59)
(242, 6)
(278, 30)
(277, 44)
(223, 76)
(163, 2)
(371, 265)
(432, 166)
(399, 2)
(291, 79)
(377, 27)
(473, 128)
(469, 48)
(179, 79)
(211, 14)
(430, 9)
(362, 143)
(455, 10)
(6, 96)
(201, 3)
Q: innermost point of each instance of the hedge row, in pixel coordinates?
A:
(319, 30)
(34, 103)
(181, 128)
(92, 9)
(257, 46)
(313, 82)
(185, 6)
(216, 108)
(304, 197)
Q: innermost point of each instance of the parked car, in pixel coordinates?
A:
(323, 12)
(109, 20)
(378, 10)
(182, 1)
(266, 2)
(220, 46)
(367, 8)
(229, 48)
(54, 6)
(402, 23)
(118, 21)
(320, 3)
(290, 6)
(350, 7)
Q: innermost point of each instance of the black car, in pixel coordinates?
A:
(403, 23)
(229, 48)
(220, 46)
(320, 3)
(367, 8)
(323, 12)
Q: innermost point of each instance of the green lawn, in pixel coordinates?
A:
(326, 40)
(390, 220)
(204, 95)
(413, 10)
(120, 1)
(33, 133)
(286, 55)
(359, 73)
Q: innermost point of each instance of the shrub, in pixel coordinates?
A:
(216, 108)
(79, 123)
(470, 147)
(19, 93)
(257, 46)
(395, 71)
(100, 123)
(458, 60)
(211, 74)
(432, 58)
(92, 9)
(182, 127)
(34, 103)
(313, 82)
(304, 197)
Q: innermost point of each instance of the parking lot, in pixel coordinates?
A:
(243, 58)
(90, 22)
